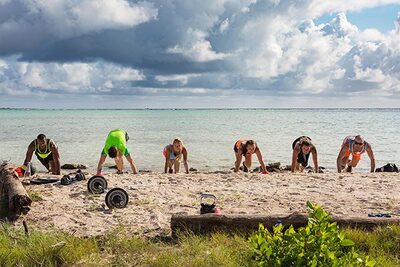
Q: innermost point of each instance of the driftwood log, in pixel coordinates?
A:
(12, 189)
(210, 223)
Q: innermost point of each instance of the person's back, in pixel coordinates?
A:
(116, 147)
(117, 138)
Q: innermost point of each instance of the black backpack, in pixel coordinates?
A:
(390, 167)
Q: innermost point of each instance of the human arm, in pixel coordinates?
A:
(340, 157)
(371, 157)
(315, 159)
(185, 157)
(100, 164)
(29, 153)
(238, 159)
(132, 163)
(56, 168)
(295, 153)
(260, 159)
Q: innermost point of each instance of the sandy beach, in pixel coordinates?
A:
(154, 197)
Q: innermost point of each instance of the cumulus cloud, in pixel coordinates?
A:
(33, 78)
(261, 48)
(26, 25)
(196, 47)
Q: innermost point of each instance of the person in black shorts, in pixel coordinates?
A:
(47, 153)
(302, 147)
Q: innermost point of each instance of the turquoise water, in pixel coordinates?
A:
(209, 135)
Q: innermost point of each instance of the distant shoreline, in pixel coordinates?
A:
(141, 109)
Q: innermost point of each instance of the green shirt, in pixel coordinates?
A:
(116, 138)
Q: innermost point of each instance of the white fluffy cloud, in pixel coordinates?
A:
(33, 78)
(196, 47)
(242, 47)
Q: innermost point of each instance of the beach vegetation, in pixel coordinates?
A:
(320, 243)
(382, 244)
(320, 240)
(34, 195)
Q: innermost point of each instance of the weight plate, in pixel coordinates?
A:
(97, 185)
(80, 176)
(117, 198)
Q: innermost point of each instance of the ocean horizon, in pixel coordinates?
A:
(208, 133)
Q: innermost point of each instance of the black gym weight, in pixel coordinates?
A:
(69, 179)
(115, 198)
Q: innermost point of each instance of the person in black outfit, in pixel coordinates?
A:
(302, 147)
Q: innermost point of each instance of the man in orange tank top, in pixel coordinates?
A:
(353, 146)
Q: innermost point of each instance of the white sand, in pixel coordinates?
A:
(154, 197)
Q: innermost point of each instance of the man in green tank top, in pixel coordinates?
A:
(47, 153)
(116, 148)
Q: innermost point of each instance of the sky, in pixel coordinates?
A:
(199, 54)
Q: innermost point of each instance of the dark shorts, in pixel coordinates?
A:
(303, 159)
(45, 161)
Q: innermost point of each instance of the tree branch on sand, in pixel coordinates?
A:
(12, 190)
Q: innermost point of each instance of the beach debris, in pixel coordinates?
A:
(110, 166)
(248, 223)
(18, 199)
(73, 166)
(26, 229)
(287, 168)
(310, 169)
(385, 215)
(69, 179)
(144, 171)
(192, 170)
(390, 167)
(41, 180)
(271, 167)
(115, 198)
(208, 204)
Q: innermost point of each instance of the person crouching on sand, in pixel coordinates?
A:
(46, 151)
(173, 153)
(247, 148)
(116, 148)
(302, 147)
(354, 146)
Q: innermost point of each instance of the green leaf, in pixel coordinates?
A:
(347, 243)
(341, 236)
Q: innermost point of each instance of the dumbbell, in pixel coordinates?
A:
(69, 179)
(115, 198)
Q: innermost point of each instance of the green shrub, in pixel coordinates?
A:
(320, 243)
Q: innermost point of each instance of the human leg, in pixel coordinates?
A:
(177, 164)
